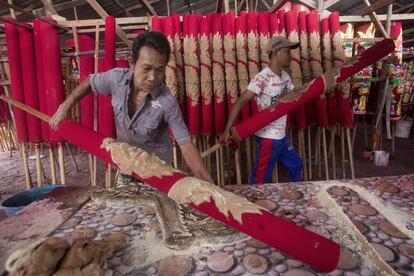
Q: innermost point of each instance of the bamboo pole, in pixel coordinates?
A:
(332, 150)
(52, 164)
(310, 152)
(343, 151)
(61, 164)
(38, 166)
(26, 166)
(351, 157)
(325, 153)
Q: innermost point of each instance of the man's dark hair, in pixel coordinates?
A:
(155, 40)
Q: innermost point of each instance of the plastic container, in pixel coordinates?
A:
(16, 202)
(403, 128)
(381, 158)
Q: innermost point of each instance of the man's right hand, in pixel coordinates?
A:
(58, 117)
(230, 136)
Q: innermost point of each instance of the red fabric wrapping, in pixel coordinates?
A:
(292, 31)
(328, 64)
(282, 29)
(16, 78)
(273, 24)
(315, 88)
(220, 114)
(106, 121)
(230, 68)
(86, 67)
(52, 73)
(241, 56)
(253, 52)
(304, 62)
(40, 78)
(206, 78)
(191, 24)
(179, 63)
(316, 65)
(344, 113)
(122, 63)
(28, 64)
(264, 36)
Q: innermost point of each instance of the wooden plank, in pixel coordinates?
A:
(94, 4)
(148, 8)
(375, 6)
(382, 17)
(40, 219)
(277, 5)
(101, 22)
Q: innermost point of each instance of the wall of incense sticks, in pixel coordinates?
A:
(213, 58)
(221, 53)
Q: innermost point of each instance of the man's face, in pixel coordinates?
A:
(283, 56)
(149, 69)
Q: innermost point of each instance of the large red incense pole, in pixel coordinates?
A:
(86, 67)
(218, 74)
(106, 123)
(314, 89)
(206, 77)
(27, 54)
(16, 78)
(40, 82)
(191, 67)
(230, 59)
(53, 79)
(342, 90)
(264, 36)
(241, 56)
(309, 247)
(253, 53)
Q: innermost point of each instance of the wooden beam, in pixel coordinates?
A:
(148, 8)
(375, 19)
(407, 31)
(319, 4)
(61, 7)
(138, 5)
(406, 7)
(309, 3)
(94, 4)
(50, 10)
(265, 4)
(93, 22)
(408, 41)
(126, 12)
(382, 17)
(330, 3)
(389, 14)
(277, 5)
(219, 5)
(375, 6)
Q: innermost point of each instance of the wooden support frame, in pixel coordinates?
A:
(219, 5)
(376, 6)
(329, 3)
(376, 20)
(382, 17)
(148, 8)
(98, 8)
(309, 3)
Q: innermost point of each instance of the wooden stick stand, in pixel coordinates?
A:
(61, 164)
